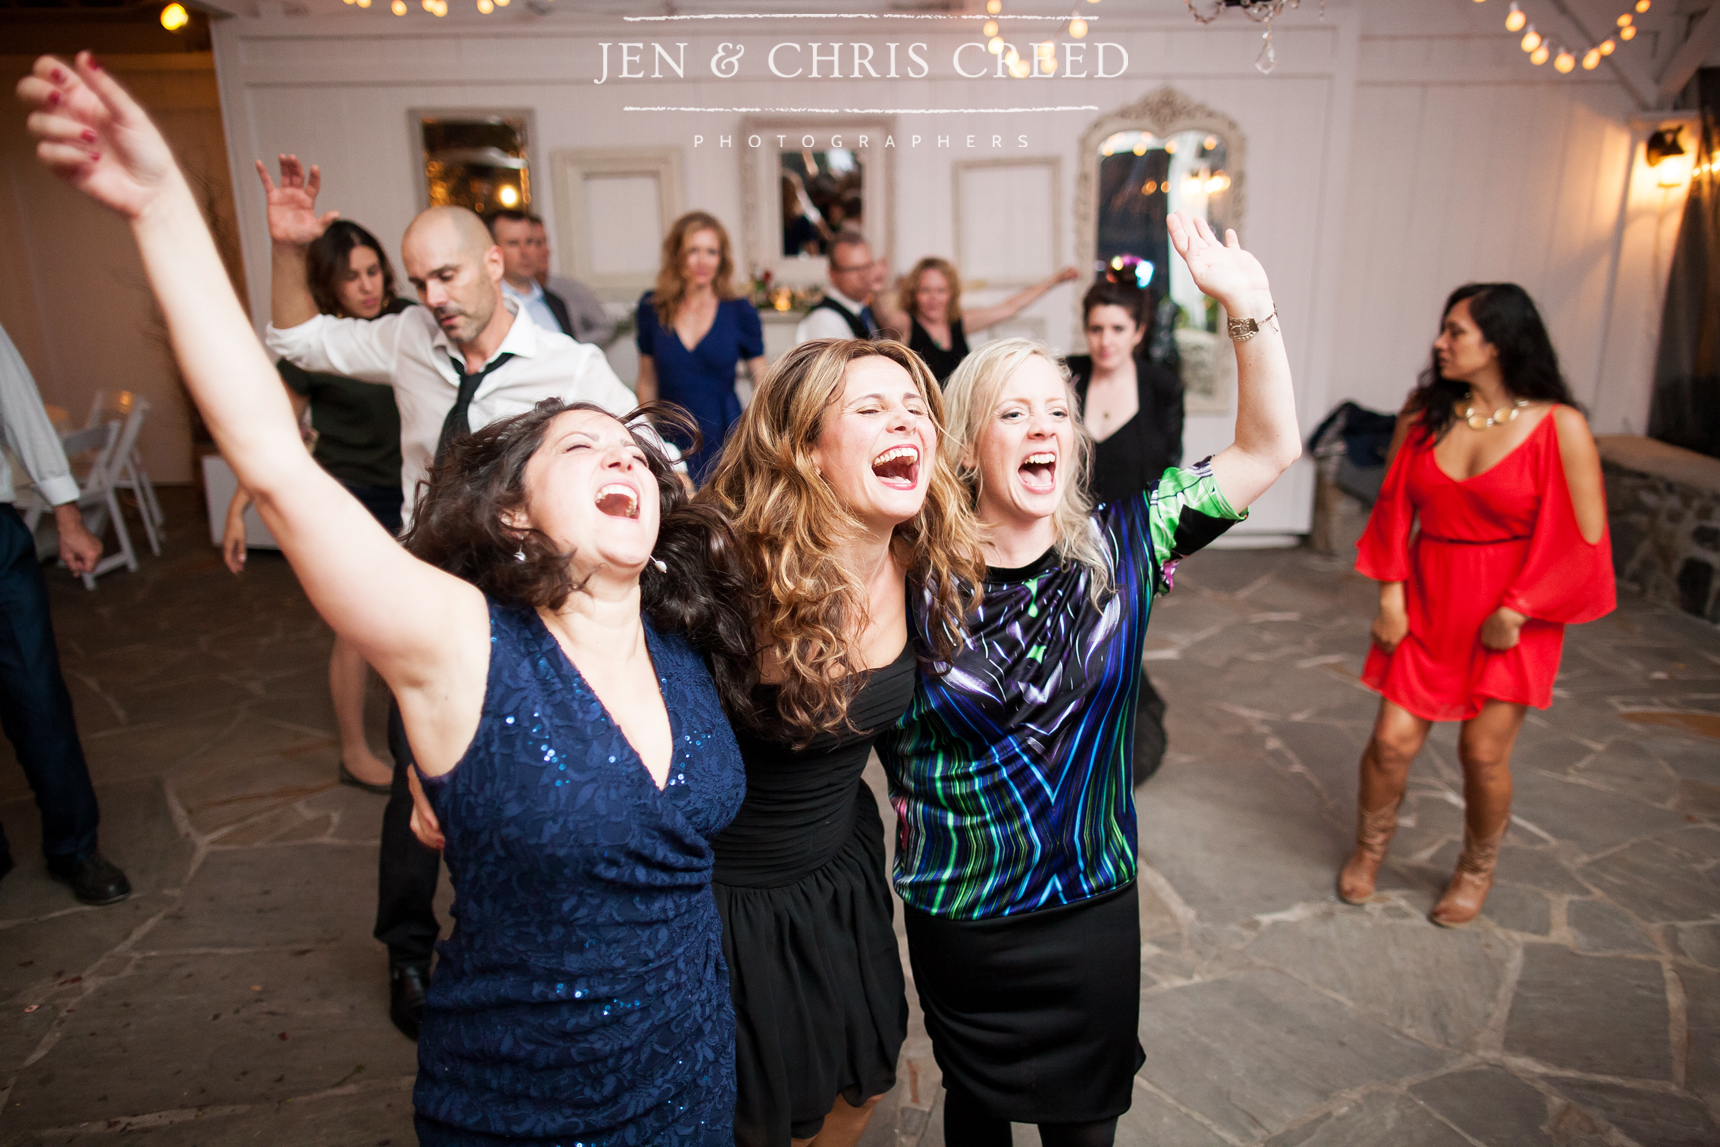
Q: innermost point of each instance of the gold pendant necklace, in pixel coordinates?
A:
(1476, 421)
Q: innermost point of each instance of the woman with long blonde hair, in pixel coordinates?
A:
(694, 329)
(1011, 774)
(841, 506)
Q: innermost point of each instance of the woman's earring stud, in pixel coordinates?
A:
(520, 555)
(662, 566)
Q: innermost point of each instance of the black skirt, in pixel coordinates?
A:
(821, 1008)
(1036, 1015)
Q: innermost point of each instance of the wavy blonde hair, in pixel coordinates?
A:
(970, 398)
(672, 278)
(789, 527)
(910, 286)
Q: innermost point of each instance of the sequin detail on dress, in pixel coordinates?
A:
(582, 998)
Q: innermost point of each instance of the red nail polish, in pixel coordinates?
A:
(94, 156)
(58, 76)
(89, 136)
(95, 64)
(53, 99)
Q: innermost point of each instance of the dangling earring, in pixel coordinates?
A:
(662, 566)
(520, 554)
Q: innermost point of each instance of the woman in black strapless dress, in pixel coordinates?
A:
(835, 489)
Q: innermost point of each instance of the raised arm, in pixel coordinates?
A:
(293, 226)
(1267, 440)
(425, 631)
(979, 318)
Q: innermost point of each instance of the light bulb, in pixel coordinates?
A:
(1627, 33)
(398, 7)
(1140, 147)
(1170, 147)
(1591, 59)
(1564, 61)
(1019, 69)
(1607, 48)
(990, 29)
(1515, 20)
(1077, 27)
(1045, 49)
(363, 3)
(1047, 65)
(1625, 20)
(174, 17)
(994, 6)
(995, 45)
(1643, 5)
(1011, 56)
(486, 6)
(508, 195)
(1531, 39)
(1211, 141)
(1149, 187)
(1539, 55)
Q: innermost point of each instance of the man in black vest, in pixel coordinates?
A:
(843, 314)
(512, 231)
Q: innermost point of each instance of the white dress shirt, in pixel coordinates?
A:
(536, 306)
(410, 351)
(824, 323)
(29, 434)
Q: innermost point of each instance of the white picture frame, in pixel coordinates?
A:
(579, 176)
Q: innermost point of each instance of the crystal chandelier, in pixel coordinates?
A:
(1261, 12)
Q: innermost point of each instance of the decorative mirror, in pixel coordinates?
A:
(1163, 154)
(804, 182)
(474, 159)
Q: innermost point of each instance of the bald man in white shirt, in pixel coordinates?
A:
(464, 359)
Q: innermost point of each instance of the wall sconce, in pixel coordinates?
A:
(1668, 156)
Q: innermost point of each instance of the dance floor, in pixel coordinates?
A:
(237, 997)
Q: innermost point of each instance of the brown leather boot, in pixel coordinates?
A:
(1473, 879)
(1373, 832)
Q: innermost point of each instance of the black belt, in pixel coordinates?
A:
(1474, 541)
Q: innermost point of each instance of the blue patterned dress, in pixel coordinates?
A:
(582, 998)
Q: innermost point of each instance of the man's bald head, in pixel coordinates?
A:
(456, 269)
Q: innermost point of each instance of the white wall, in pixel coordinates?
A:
(1401, 147)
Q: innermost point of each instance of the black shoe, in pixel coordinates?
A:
(407, 984)
(348, 777)
(94, 880)
(5, 863)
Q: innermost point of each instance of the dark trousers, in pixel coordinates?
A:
(35, 709)
(406, 874)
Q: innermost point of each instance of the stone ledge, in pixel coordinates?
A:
(1663, 508)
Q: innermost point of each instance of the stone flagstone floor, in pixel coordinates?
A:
(238, 997)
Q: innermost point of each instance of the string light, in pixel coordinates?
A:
(1625, 20)
(1531, 39)
(1077, 27)
(1627, 33)
(990, 29)
(1607, 48)
(1539, 55)
(995, 46)
(486, 6)
(1643, 5)
(398, 7)
(174, 17)
(994, 6)
(1564, 61)
(1591, 59)
(1515, 21)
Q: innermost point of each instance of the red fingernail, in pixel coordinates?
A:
(94, 156)
(58, 76)
(53, 99)
(89, 136)
(95, 64)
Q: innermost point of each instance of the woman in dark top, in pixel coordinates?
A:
(839, 500)
(357, 440)
(545, 667)
(929, 309)
(693, 331)
(1133, 409)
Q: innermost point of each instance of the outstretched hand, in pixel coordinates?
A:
(91, 133)
(1224, 270)
(293, 205)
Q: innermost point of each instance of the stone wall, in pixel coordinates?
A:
(1663, 507)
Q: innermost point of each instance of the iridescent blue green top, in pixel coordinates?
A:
(1011, 774)
(582, 997)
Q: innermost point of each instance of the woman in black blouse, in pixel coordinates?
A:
(929, 314)
(1133, 408)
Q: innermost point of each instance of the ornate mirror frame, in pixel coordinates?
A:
(1165, 111)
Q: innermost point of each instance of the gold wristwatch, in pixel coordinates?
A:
(1241, 330)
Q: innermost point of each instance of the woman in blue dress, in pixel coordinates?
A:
(693, 331)
(571, 738)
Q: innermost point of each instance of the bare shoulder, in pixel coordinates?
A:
(1576, 442)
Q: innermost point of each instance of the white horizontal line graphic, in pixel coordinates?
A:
(845, 16)
(873, 111)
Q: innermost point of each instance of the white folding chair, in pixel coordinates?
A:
(126, 406)
(98, 497)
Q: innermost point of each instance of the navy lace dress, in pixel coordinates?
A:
(582, 997)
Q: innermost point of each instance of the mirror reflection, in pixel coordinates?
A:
(823, 193)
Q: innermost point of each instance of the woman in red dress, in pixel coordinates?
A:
(1496, 464)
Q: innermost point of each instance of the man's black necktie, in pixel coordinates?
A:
(458, 422)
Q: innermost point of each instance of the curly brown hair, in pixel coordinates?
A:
(326, 262)
(789, 527)
(459, 527)
(672, 279)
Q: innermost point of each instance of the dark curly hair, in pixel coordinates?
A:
(326, 259)
(458, 527)
(1509, 321)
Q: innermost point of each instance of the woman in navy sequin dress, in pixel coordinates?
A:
(547, 679)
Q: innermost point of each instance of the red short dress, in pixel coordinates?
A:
(1506, 537)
